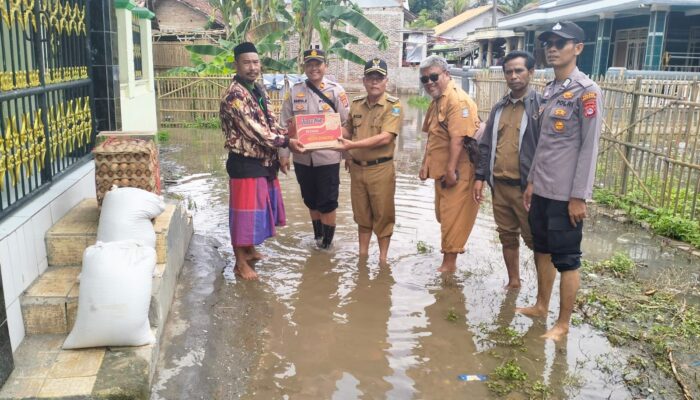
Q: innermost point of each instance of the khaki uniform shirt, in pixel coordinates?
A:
(571, 115)
(453, 114)
(301, 100)
(507, 162)
(366, 121)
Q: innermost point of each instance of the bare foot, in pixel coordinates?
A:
(557, 332)
(535, 311)
(447, 268)
(252, 254)
(512, 285)
(245, 271)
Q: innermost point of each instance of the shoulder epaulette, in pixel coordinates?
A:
(358, 98)
(392, 99)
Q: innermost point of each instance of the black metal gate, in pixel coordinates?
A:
(45, 95)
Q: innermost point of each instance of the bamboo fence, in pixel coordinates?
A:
(649, 150)
(186, 100)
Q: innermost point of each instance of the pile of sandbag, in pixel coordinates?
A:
(117, 273)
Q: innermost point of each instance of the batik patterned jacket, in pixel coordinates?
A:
(247, 129)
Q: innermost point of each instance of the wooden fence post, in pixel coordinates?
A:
(630, 133)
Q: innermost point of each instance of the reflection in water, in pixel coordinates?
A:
(342, 328)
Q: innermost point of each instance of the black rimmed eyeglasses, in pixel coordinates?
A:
(432, 77)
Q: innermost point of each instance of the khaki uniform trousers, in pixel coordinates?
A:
(510, 215)
(372, 191)
(455, 210)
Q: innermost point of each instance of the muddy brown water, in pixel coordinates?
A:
(327, 325)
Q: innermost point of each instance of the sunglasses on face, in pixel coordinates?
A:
(559, 43)
(432, 77)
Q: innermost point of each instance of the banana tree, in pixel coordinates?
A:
(269, 25)
(328, 18)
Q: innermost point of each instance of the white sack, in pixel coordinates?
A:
(115, 294)
(126, 215)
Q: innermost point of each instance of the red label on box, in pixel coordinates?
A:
(318, 131)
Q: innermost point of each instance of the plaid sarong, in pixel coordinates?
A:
(255, 208)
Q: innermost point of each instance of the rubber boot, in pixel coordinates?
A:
(328, 233)
(318, 231)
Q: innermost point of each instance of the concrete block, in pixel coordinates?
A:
(67, 387)
(45, 318)
(68, 238)
(45, 303)
(77, 363)
(21, 388)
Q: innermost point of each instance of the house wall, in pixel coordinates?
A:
(390, 21)
(677, 36)
(585, 59)
(137, 97)
(22, 247)
(172, 15)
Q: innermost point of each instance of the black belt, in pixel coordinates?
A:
(509, 182)
(373, 162)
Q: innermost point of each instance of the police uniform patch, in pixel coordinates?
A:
(326, 107)
(300, 94)
(559, 126)
(465, 112)
(396, 111)
(568, 95)
(588, 96)
(565, 103)
(300, 107)
(590, 108)
(343, 99)
(560, 112)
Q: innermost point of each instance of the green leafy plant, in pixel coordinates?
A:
(163, 136)
(270, 25)
(452, 315)
(662, 221)
(507, 377)
(423, 248)
(419, 102)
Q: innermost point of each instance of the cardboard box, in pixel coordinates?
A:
(318, 131)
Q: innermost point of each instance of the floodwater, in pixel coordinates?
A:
(328, 325)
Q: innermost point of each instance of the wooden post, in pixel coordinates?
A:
(630, 133)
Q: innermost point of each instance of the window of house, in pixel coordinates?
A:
(136, 34)
(693, 56)
(630, 48)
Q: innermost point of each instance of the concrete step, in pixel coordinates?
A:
(50, 305)
(72, 234)
(45, 371)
